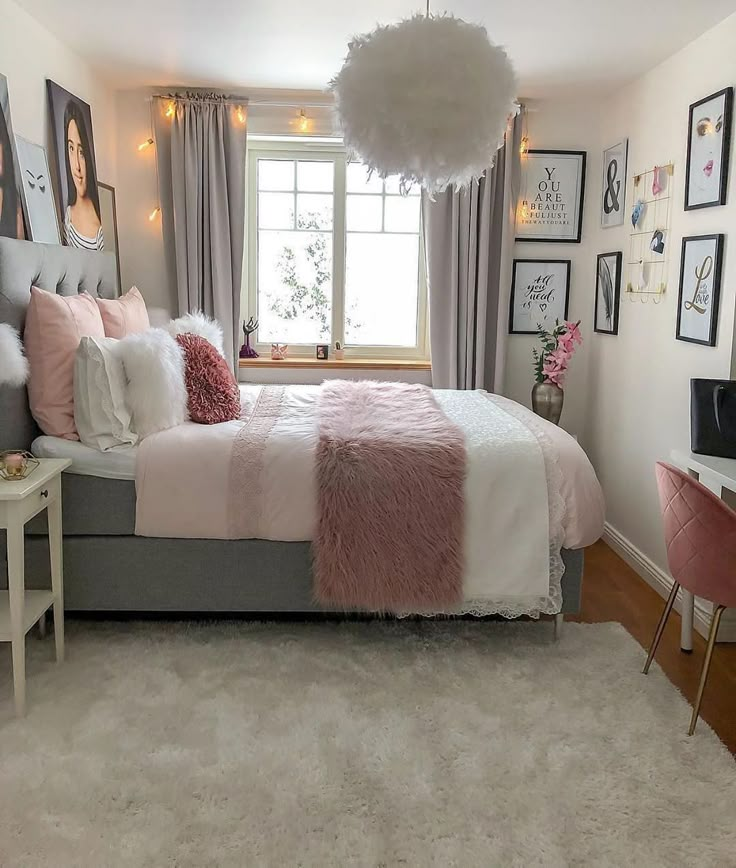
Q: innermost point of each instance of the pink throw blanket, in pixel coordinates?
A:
(390, 473)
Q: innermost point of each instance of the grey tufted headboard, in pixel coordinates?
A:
(63, 270)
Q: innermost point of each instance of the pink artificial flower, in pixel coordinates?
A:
(561, 356)
(573, 330)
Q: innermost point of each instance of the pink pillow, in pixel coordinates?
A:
(212, 392)
(126, 315)
(55, 324)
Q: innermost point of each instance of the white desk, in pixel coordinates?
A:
(715, 474)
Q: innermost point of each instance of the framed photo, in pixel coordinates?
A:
(708, 150)
(323, 351)
(11, 211)
(613, 199)
(540, 291)
(109, 217)
(700, 289)
(607, 293)
(550, 206)
(37, 195)
(78, 193)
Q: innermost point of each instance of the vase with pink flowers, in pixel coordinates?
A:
(550, 368)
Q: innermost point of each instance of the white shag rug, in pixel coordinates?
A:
(367, 744)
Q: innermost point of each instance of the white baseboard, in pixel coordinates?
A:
(662, 584)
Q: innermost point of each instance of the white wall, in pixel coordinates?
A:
(29, 54)
(142, 260)
(638, 381)
(563, 126)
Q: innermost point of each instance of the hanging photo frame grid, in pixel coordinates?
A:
(649, 238)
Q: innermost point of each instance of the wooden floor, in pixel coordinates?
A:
(612, 591)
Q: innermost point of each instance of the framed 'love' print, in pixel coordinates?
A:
(540, 290)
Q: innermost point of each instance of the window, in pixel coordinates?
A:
(333, 254)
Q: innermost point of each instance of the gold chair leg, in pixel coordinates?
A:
(706, 665)
(660, 627)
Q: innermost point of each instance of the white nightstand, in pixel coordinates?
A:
(20, 500)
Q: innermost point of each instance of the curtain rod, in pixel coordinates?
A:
(244, 100)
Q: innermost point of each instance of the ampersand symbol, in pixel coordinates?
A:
(610, 198)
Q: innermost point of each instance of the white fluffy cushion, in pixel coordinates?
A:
(198, 324)
(154, 368)
(13, 364)
(101, 412)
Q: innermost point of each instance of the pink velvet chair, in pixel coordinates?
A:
(700, 533)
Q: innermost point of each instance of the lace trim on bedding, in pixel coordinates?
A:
(531, 606)
(246, 463)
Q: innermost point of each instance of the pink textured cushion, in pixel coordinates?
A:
(126, 315)
(212, 392)
(55, 325)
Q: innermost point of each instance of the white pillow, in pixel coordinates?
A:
(101, 414)
(13, 363)
(198, 324)
(154, 369)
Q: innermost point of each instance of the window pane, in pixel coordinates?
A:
(402, 214)
(393, 186)
(357, 180)
(294, 286)
(382, 289)
(275, 174)
(317, 177)
(364, 213)
(275, 210)
(314, 211)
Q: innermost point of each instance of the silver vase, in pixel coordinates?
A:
(547, 401)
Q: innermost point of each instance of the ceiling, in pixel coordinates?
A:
(563, 47)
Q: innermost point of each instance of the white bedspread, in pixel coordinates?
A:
(184, 489)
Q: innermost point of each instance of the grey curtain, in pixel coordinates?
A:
(201, 165)
(468, 239)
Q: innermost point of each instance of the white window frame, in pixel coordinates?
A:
(328, 151)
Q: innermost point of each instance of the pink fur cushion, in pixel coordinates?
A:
(55, 324)
(124, 316)
(212, 392)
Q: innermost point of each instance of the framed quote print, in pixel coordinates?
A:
(540, 289)
(550, 206)
(708, 147)
(607, 293)
(700, 289)
(613, 199)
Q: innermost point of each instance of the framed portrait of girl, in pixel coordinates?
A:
(708, 150)
(78, 194)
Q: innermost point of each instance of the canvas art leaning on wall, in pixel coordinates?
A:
(79, 198)
(11, 212)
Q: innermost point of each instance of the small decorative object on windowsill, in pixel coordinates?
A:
(247, 351)
(17, 464)
(550, 367)
(323, 352)
(339, 351)
(279, 352)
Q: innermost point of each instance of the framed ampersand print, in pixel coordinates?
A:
(613, 197)
(552, 191)
(540, 290)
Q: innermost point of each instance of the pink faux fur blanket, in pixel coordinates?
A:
(390, 473)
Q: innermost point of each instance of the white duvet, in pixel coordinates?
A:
(529, 489)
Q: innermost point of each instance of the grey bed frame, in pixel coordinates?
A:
(106, 567)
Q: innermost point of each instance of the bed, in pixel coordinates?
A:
(110, 568)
